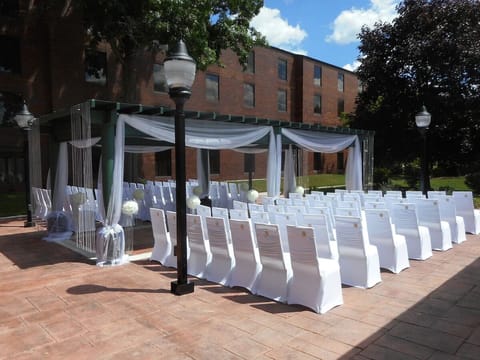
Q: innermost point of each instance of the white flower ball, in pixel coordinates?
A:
(244, 186)
(300, 190)
(193, 201)
(197, 190)
(252, 195)
(130, 207)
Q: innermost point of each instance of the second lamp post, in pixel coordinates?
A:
(422, 119)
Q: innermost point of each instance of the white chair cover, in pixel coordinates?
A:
(282, 220)
(404, 217)
(239, 214)
(326, 244)
(162, 247)
(392, 247)
(247, 258)
(223, 260)
(259, 217)
(200, 254)
(428, 215)
(276, 267)
(315, 282)
(465, 209)
(448, 213)
(171, 259)
(359, 262)
(240, 205)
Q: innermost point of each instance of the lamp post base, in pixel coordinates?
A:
(181, 289)
(29, 224)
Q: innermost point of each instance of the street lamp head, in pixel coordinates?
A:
(179, 69)
(24, 118)
(423, 118)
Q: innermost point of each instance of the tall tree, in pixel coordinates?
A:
(206, 26)
(429, 55)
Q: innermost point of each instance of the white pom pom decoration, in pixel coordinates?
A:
(193, 201)
(300, 190)
(252, 195)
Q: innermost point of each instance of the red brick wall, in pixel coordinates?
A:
(52, 78)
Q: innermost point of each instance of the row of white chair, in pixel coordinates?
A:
(253, 258)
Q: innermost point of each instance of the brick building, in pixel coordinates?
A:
(47, 64)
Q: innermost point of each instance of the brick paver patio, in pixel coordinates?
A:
(54, 303)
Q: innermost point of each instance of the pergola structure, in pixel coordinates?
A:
(116, 127)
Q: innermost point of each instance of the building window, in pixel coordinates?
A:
(249, 163)
(360, 87)
(96, 67)
(212, 86)
(214, 159)
(9, 104)
(340, 161)
(317, 104)
(10, 54)
(249, 95)
(251, 63)
(282, 100)
(341, 81)
(340, 107)
(317, 161)
(282, 69)
(317, 75)
(163, 163)
(159, 80)
(9, 8)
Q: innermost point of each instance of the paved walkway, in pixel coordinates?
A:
(56, 304)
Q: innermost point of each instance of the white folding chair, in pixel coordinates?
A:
(465, 209)
(247, 258)
(324, 236)
(200, 254)
(238, 214)
(391, 247)
(233, 189)
(428, 215)
(282, 220)
(162, 246)
(240, 205)
(359, 262)
(267, 200)
(276, 267)
(259, 217)
(219, 269)
(255, 207)
(404, 217)
(171, 258)
(448, 213)
(315, 282)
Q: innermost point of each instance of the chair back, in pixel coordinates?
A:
(260, 217)
(350, 234)
(270, 244)
(303, 250)
(239, 214)
(240, 205)
(217, 235)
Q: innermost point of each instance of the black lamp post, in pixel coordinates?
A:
(422, 119)
(180, 74)
(24, 120)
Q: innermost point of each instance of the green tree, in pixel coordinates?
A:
(429, 55)
(133, 26)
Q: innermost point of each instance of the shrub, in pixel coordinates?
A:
(473, 181)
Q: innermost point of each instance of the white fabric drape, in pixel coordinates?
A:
(84, 143)
(213, 135)
(140, 149)
(61, 178)
(331, 143)
(289, 180)
(203, 134)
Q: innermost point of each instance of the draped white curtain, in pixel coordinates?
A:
(289, 180)
(331, 143)
(213, 135)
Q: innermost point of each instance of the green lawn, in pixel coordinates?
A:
(12, 204)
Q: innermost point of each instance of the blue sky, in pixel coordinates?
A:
(322, 29)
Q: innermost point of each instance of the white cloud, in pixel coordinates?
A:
(353, 66)
(278, 31)
(349, 23)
